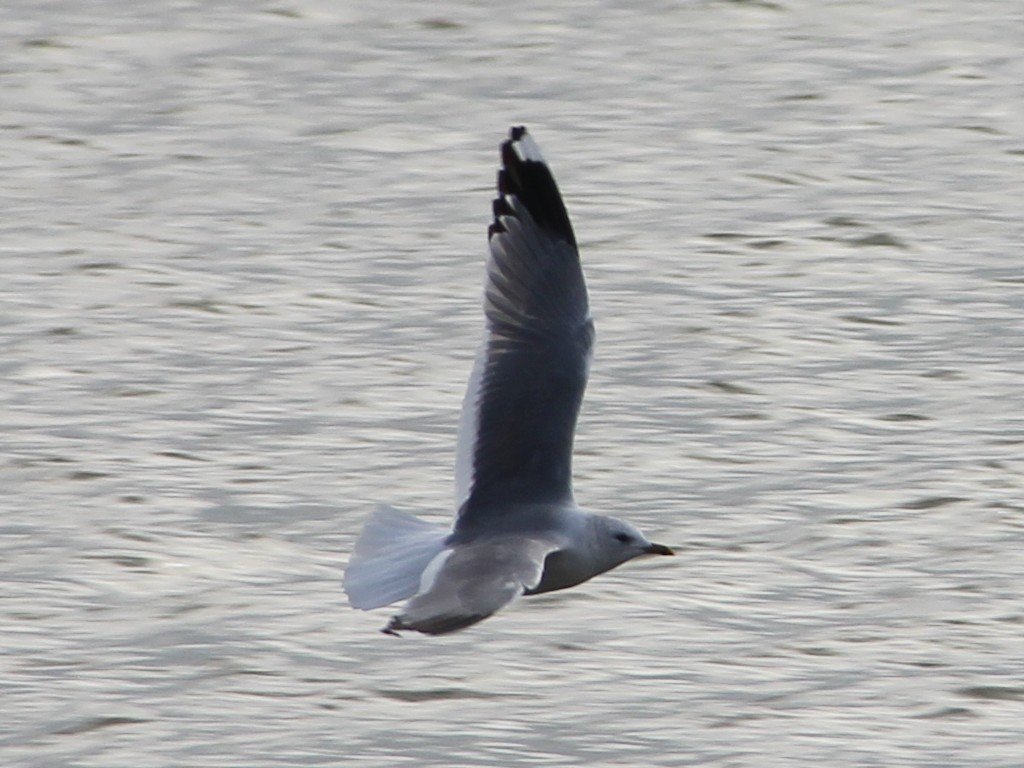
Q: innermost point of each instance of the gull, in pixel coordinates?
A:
(518, 530)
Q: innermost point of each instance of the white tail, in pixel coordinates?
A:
(389, 558)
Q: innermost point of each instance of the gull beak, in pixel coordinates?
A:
(659, 549)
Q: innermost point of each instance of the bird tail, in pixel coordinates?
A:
(389, 558)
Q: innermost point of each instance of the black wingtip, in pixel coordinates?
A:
(525, 176)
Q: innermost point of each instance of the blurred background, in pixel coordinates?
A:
(242, 248)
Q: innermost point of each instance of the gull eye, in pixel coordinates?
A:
(623, 538)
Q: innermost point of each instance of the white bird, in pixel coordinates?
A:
(518, 530)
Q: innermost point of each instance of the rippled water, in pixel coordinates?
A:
(242, 249)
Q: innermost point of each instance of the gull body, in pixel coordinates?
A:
(518, 530)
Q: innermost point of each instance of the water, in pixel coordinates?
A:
(242, 249)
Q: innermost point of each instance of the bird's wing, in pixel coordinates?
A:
(519, 416)
(469, 582)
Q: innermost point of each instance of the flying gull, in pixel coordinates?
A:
(518, 530)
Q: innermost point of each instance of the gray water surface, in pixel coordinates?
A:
(241, 249)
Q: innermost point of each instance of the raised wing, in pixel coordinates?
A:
(519, 417)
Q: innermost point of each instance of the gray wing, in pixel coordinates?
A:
(469, 582)
(519, 418)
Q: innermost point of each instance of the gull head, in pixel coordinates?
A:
(597, 544)
(616, 541)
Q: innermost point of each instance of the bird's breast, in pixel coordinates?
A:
(563, 569)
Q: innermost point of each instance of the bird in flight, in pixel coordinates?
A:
(517, 530)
